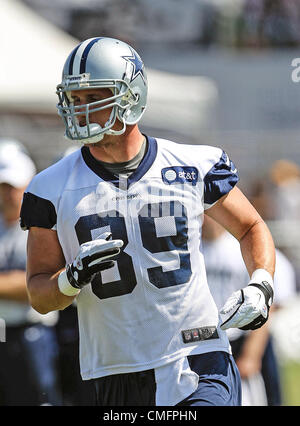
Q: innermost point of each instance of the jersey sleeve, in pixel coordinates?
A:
(219, 180)
(42, 196)
(37, 211)
(40, 200)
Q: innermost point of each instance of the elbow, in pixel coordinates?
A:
(251, 228)
(39, 307)
(44, 296)
(37, 299)
(41, 311)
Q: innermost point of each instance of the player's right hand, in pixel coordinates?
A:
(93, 257)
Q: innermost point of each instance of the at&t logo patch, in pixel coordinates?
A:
(179, 174)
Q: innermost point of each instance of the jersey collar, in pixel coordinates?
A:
(142, 169)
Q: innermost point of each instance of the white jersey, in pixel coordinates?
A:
(154, 306)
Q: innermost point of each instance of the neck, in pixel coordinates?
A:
(118, 149)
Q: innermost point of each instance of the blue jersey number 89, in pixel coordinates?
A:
(176, 243)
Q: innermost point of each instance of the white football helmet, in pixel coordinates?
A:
(102, 62)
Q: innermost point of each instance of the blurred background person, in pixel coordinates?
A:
(277, 199)
(252, 350)
(284, 175)
(28, 356)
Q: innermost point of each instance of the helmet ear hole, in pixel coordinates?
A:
(127, 113)
(122, 114)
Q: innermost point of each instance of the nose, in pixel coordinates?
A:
(81, 114)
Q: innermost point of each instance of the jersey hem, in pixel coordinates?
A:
(102, 372)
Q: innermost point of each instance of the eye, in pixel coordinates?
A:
(93, 98)
(76, 100)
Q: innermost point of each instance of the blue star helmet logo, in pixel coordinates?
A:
(137, 63)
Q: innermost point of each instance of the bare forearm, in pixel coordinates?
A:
(45, 260)
(13, 286)
(258, 249)
(44, 293)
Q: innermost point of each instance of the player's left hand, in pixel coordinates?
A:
(248, 308)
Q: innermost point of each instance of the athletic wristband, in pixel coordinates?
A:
(260, 275)
(65, 287)
(263, 280)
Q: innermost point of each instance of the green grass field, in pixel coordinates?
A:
(290, 379)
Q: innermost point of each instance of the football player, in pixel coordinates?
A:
(117, 225)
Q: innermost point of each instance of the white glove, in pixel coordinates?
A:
(248, 308)
(93, 257)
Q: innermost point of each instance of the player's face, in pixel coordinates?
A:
(87, 96)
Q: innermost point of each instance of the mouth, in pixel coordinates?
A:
(81, 121)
